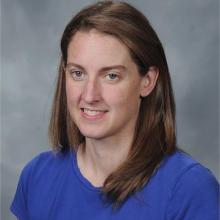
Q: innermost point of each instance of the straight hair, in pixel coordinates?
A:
(154, 135)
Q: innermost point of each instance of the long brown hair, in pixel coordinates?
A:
(155, 127)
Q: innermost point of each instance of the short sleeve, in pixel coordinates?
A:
(19, 205)
(194, 196)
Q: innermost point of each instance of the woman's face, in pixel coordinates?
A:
(103, 86)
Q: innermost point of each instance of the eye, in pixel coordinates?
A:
(77, 74)
(112, 76)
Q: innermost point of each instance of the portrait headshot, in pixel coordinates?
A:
(110, 110)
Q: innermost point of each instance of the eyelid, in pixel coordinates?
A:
(72, 73)
(70, 69)
(114, 73)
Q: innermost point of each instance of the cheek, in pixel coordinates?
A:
(123, 97)
(72, 93)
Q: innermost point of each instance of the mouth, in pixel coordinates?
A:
(92, 113)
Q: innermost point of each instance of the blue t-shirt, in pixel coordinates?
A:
(51, 186)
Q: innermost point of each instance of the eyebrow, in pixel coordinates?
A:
(106, 68)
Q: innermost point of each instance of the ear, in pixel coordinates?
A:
(149, 81)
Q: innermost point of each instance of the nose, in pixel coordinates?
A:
(91, 91)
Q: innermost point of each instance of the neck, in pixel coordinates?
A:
(101, 158)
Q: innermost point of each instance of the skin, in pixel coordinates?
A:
(101, 76)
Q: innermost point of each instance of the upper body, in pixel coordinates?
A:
(114, 106)
(52, 186)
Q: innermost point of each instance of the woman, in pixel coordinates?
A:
(112, 130)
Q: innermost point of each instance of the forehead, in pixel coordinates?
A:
(98, 48)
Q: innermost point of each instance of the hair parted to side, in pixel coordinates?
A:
(155, 128)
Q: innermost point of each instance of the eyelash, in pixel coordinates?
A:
(79, 78)
(73, 74)
(115, 74)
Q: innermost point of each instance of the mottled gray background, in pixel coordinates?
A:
(30, 32)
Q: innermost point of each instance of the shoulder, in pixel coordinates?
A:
(181, 165)
(44, 163)
(194, 191)
(191, 175)
(43, 168)
(181, 172)
(37, 174)
(187, 174)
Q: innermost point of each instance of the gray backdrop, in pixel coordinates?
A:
(31, 31)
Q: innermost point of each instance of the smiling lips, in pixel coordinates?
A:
(92, 114)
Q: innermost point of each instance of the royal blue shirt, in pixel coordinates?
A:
(51, 186)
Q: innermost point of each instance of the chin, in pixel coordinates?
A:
(94, 136)
(92, 133)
